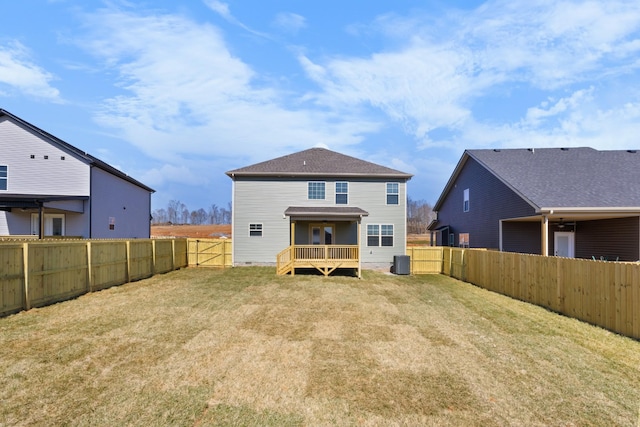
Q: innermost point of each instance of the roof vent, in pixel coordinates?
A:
(564, 149)
(497, 150)
(533, 150)
(631, 151)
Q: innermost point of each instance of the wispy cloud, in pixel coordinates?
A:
(432, 79)
(289, 22)
(20, 74)
(222, 9)
(197, 99)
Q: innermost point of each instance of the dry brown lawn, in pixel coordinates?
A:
(242, 347)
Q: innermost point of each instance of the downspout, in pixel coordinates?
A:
(500, 234)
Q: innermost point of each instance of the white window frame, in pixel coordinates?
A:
(390, 186)
(4, 177)
(256, 227)
(381, 233)
(342, 193)
(313, 189)
(465, 201)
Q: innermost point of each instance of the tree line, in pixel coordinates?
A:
(419, 215)
(178, 213)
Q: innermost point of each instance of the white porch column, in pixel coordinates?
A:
(545, 236)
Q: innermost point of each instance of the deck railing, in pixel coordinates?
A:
(325, 258)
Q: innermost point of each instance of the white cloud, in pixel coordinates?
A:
(437, 72)
(289, 22)
(197, 98)
(21, 74)
(170, 173)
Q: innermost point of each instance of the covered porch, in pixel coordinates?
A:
(41, 216)
(322, 238)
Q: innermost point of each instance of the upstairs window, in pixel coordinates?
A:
(465, 203)
(255, 230)
(3, 177)
(392, 193)
(315, 190)
(342, 193)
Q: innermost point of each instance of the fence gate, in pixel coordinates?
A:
(210, 253)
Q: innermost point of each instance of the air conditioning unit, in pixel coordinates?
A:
(401, 264)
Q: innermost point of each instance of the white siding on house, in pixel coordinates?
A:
(39, 175)
(121, 202)
(264, 201)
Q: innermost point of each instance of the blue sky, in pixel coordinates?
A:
(175, 93)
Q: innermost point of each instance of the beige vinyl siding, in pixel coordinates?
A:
(372, 197)
(51, 176)
(265, 200)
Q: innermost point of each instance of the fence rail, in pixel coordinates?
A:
(39, 273)
(606, 294)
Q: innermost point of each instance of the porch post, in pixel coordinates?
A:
(293, 233)
(41, 219)
(359, 253)
(545, 236)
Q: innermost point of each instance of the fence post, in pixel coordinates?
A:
(89, 268)
(462, 266)
(450, 262)
(153, 257)
(128, 255)
(173, 254)
(25, 262)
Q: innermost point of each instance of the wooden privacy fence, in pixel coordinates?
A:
(602, 293)
(209, 253)
(38, 273)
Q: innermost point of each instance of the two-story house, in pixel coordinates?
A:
(318, 209)
(51, 188)
(569, 202)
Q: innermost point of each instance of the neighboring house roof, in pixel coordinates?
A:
(562, 177)
(94, 161)
(318, 162)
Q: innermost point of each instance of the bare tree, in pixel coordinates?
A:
(184, 214)
(419, 215)
(173, 211)
(214, 214)
(159, 216)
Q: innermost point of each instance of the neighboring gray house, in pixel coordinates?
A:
(50, 188)
(572, 202)
(319, 208)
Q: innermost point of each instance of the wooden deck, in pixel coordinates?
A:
(325, 258)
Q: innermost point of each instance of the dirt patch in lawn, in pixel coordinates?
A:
(194, 231)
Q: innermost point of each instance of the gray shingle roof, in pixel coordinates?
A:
(318, 162)
(567, 177)
(334, 211)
